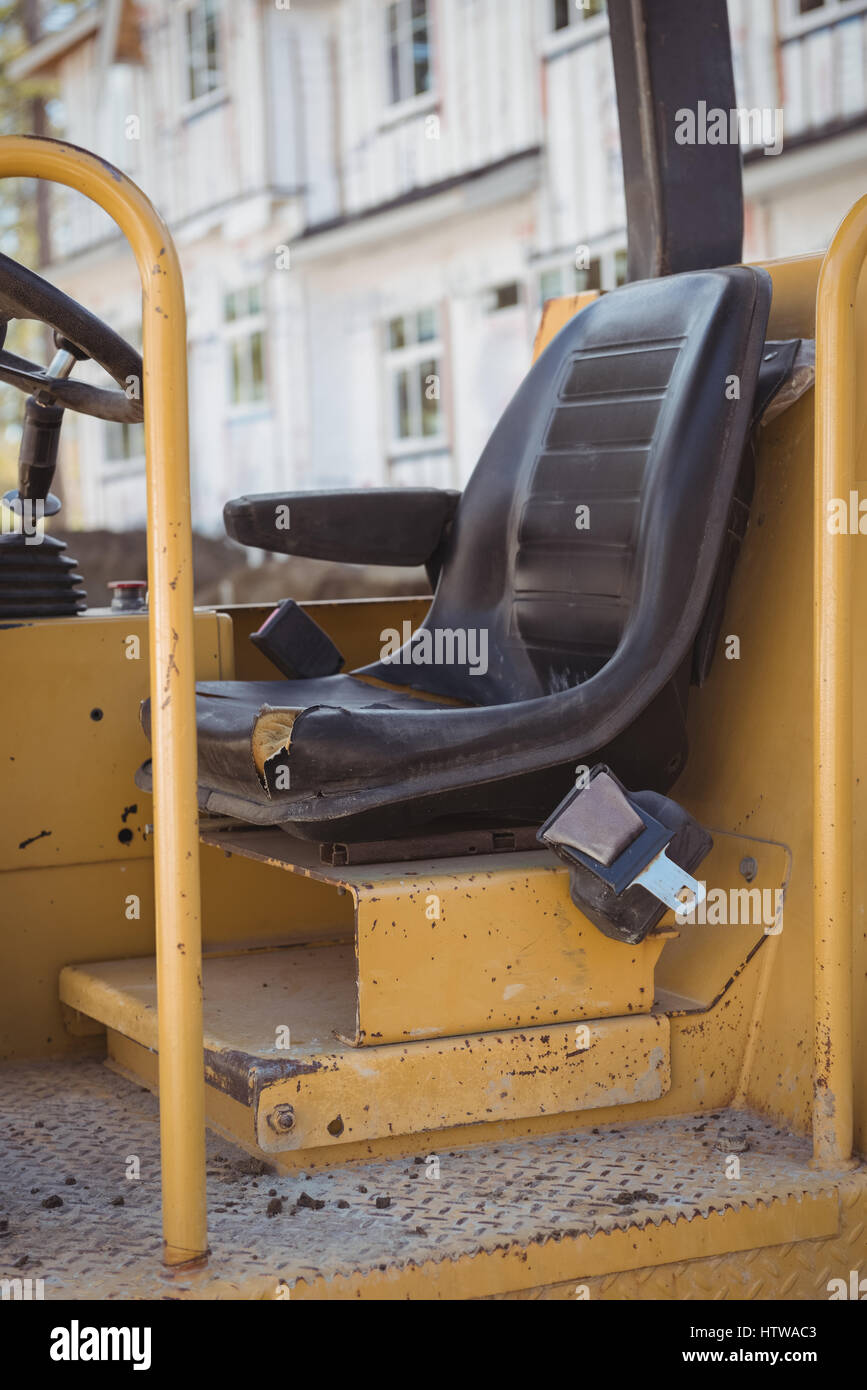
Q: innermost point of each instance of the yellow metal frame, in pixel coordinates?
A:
(172, 676)
(832, 693)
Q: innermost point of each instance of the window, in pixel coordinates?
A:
(824, 75)
(244, 316)
(503, 297)
(604, 271)
(408, 49)
(202, 49)
(571, 12)
(566, 279)
(123, 443)
(805, 16)
(413, 363)
(243, 304)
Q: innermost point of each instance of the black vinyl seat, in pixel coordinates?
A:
(590, 552)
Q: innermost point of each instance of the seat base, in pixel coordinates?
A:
(346, 1035)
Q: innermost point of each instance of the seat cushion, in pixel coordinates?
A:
(243, 726)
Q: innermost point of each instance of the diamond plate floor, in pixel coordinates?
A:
(72, 1132)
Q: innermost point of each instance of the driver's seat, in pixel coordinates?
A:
(590, 553)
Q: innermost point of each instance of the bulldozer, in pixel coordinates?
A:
(502, 944)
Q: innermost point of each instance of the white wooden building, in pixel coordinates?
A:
(372, 198)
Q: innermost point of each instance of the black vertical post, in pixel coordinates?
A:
(684, 199)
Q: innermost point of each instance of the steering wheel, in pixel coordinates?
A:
(25, 295)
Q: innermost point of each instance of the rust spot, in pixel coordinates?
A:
(243, 1076)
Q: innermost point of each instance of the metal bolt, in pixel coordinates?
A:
(749, 868)
(282, 1118)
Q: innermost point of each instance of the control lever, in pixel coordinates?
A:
(40, 440)
(630, 854)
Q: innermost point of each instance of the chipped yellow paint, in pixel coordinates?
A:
(75, 740)
(358, 1094)
(345, 1095)
(459, 947)
(706, 1064)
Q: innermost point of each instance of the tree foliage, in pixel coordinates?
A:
(27, 107)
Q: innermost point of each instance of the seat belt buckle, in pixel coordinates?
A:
(295, 643)
(604, 831)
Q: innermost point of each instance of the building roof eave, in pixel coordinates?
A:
(501, 181)
(115, 22)
(41, 57)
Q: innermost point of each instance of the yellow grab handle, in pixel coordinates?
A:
(836, 390)
(172, 676)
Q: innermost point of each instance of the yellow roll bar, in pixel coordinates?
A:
(836, 395)
(172, 676)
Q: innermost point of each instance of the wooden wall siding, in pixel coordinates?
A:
(825, 74)
(190, 161)
(819, 76)
(484, 91)
(582, 197)
(753, 30)
(216, 153)
(317, 102)
(307, 104)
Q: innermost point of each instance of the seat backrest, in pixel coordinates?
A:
(608, 478)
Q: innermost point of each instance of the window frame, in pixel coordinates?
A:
(395, 108)
(794, 25)
(490, 296)
(191, 105)
(573, 34)
(244, 328)
(412, 356)
(606, 254)
(116, 463)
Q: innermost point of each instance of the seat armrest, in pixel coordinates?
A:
(370, 526)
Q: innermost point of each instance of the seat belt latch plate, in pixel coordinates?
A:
(601, 827)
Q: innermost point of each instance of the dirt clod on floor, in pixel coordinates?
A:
(310, 1202)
